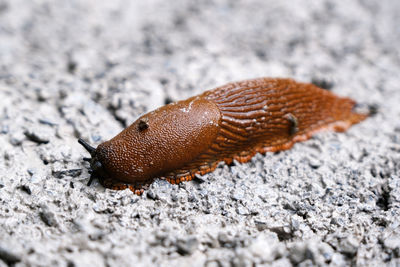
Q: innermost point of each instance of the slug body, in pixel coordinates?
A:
(234, 121)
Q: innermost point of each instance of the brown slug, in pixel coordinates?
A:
(234, 121)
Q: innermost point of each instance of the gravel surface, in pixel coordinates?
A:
(71, 69)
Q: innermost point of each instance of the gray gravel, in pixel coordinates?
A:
(71, 69)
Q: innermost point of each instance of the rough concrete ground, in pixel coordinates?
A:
(87, 69)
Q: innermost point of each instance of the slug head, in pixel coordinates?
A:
(157, 144)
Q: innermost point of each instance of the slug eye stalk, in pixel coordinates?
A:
(88, 147)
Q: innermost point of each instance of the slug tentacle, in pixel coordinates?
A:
(88, 147)
(90, 179)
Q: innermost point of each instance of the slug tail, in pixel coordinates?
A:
(342, 126)
(346, 114)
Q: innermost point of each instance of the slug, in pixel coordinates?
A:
(234, 121)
